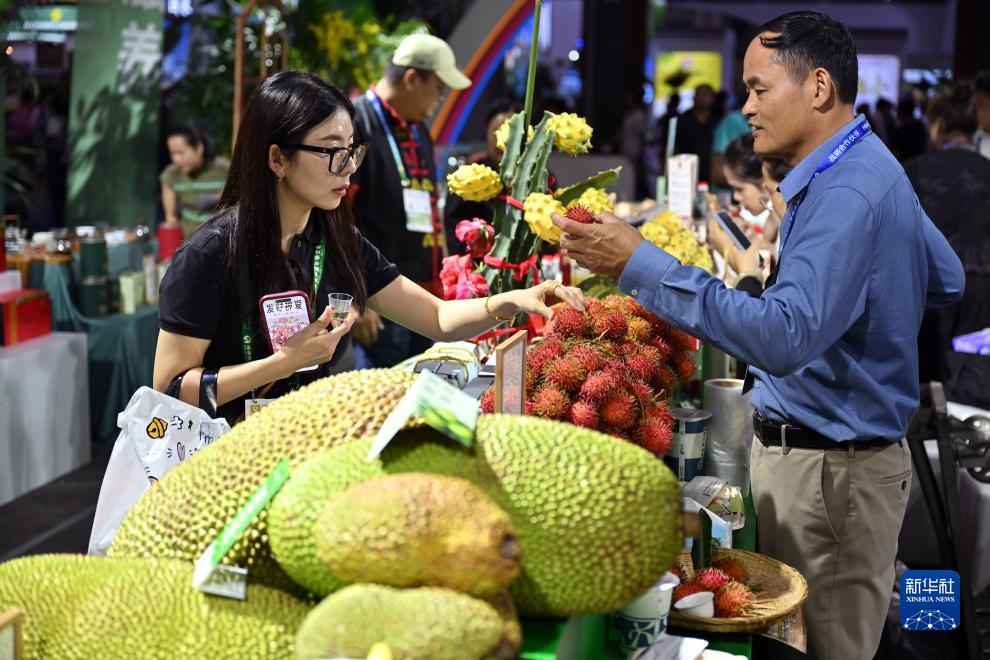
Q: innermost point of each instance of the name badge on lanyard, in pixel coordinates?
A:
(252, 406)
(419, 211)
(416, 203)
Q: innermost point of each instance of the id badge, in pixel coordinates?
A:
(252, 406)
(419, 212)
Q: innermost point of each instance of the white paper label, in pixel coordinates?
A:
(419, 212)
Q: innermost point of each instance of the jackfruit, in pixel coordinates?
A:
(427, 623)
(90, 607)
(413, 530)
(597, 517)
(193, 503)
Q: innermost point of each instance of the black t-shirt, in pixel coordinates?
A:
(198, 298)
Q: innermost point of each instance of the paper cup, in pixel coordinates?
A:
(697, 604)
(640, 623)
(687, 451)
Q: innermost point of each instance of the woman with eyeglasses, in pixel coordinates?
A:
(280, 226)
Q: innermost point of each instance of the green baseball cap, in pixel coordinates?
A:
(424, 51)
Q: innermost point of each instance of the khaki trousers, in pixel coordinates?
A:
(835, 517)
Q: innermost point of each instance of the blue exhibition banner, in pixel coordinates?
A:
(930, 600)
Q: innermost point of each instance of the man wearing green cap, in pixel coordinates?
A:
(394, 193)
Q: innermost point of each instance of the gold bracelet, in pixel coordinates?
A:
(491, 314)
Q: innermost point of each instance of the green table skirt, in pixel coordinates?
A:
(121, 350)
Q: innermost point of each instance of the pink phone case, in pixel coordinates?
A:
(297, 315)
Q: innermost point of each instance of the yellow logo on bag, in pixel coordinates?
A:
(157, 428)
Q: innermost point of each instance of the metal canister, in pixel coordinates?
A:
(94, 297)
(92, 257)
(113, 295)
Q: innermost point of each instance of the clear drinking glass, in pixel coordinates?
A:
(340, 304)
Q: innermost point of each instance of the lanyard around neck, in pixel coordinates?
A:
(831, 158)
(376, 103)
(318, 259)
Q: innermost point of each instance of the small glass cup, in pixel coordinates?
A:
(340, 304)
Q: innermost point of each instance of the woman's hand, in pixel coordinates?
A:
(748, 261)
(366, 328)
(538, 299)
(314, 344)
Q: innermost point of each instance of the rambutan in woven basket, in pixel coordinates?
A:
(778, 591)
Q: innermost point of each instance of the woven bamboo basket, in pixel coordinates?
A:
(783, 590)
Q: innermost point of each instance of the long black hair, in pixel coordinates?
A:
(282, 110)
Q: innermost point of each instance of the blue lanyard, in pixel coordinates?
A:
(399, 164)
(830, 159)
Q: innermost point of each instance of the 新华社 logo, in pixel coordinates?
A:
(930, 600)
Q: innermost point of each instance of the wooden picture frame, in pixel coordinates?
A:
(510, 375)
(10, 634)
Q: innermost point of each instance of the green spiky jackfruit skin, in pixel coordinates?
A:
(598, 518)
(426, 623)
(183, 513)
(90, 607)
(415, 530)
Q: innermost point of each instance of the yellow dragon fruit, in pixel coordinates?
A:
(475, 183)
(537, 210)
(595, 200)
(572, 135)
(502, 134)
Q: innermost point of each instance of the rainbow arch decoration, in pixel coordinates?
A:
(480, 66)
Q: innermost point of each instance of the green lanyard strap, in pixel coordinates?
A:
(318, 260)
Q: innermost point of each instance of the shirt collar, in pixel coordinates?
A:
(312, 232)
(396, 117)
(799, 177)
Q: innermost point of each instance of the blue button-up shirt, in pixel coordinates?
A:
(833, 344)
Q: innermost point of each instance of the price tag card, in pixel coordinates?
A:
(419, 212)
(510, 375)
(441, 405)
(231, 581)
(252, 406)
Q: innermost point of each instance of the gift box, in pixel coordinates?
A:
(24, 314)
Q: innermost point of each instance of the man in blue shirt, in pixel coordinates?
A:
(832, 340)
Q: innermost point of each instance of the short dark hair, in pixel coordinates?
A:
(194, 137)
(809, 39)
(395, 72)
(981, 82)
(501, 106)
(954, 110)
(742, 160)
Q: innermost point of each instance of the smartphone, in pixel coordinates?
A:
(736, 235)
(285, 314)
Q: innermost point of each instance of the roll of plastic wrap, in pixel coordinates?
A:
(730, 431)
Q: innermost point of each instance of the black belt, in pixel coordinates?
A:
(772, 434)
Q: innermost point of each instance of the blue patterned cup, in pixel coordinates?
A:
(640, 623)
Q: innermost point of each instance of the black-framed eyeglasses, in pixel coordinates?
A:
(338, 155)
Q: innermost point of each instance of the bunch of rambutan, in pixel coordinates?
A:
(610, 368)
(725, 578)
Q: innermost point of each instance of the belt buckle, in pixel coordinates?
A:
(785, 450)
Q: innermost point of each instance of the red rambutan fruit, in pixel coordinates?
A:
(582, 214)
(683, 365)
(685, 589)
(564, 372)
(611, 325)
(488, 401)
(597, 387)
(620, 410)
(732, 600)
(583, 413)
(730, 567)
(551, 402)
(654, 438)
(711, 579)
(568, 322)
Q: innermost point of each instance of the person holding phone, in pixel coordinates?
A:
(281, 227)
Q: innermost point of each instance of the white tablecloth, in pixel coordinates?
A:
(44, 411)
(918, 544)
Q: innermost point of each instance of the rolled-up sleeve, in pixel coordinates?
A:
(819, 294)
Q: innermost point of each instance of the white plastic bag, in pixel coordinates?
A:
(157, 433)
